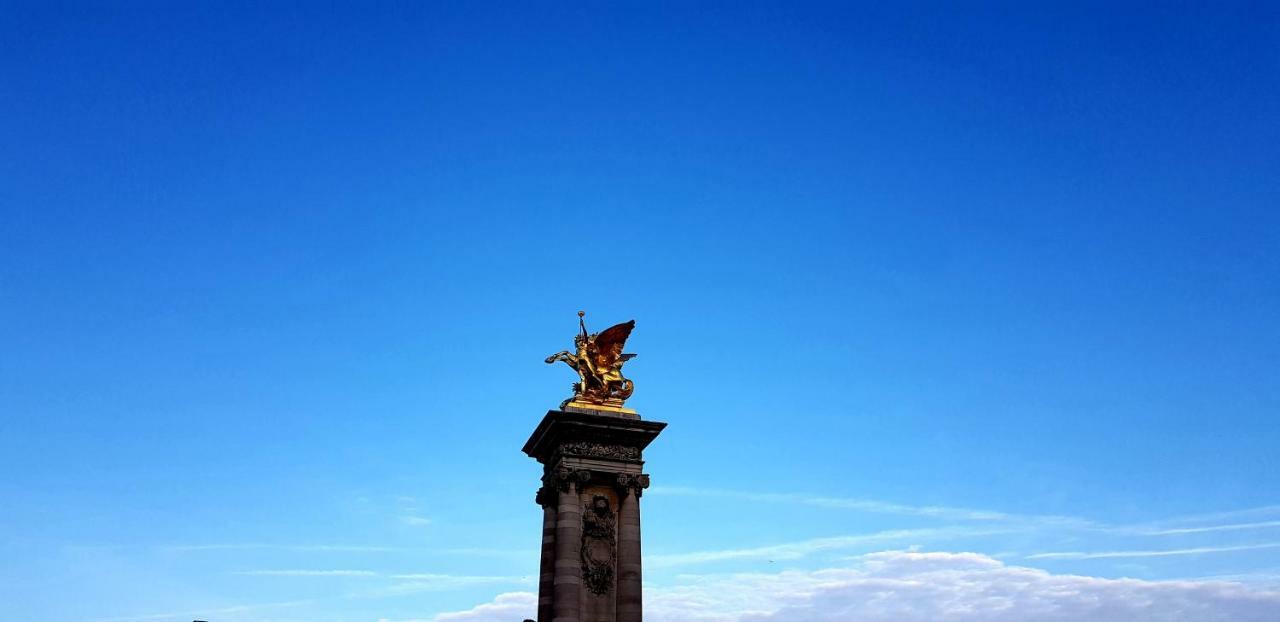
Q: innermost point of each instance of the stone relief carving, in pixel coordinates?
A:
(544, 497)
(600, 450)
(599, 555)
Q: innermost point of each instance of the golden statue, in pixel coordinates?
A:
(598, 359)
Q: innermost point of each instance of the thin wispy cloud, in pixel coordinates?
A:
(307, 573)
(1212, 528)
(1153, 553)
(1262, 517)
(205, 612)
(415, 583)
(1182, 525)
(866, 505)
(1267, 578)
(457, 579)
(300, 548)
(489, 552)
(409, 511)
(803, 548)
(1246, 513)
(437, 580)
(344, 548)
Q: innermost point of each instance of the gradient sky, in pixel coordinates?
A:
(986, 289)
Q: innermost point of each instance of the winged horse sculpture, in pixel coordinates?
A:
(598, 359)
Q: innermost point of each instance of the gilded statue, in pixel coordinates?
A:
(598, 359)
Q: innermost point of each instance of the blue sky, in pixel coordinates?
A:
(944, 296)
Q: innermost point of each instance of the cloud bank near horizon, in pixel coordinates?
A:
(908, 586)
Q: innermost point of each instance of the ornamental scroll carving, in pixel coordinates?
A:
(561, 478)
(633, 484)
(600, 450)
(599, 555)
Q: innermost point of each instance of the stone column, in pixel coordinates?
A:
(568, 566)
(546, 576)
(591, 570)
(629, 574)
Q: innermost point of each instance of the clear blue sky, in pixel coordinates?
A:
(276, 283)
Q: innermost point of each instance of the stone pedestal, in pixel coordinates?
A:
(592, 480)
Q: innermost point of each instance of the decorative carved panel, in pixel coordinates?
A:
(600, 450)
(599, 553)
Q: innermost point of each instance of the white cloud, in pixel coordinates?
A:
(415, 521)
(509, 607)
(905, 586)
(947, 587)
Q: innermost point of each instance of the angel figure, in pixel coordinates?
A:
(598, 359)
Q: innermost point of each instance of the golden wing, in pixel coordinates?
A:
(609, 344)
